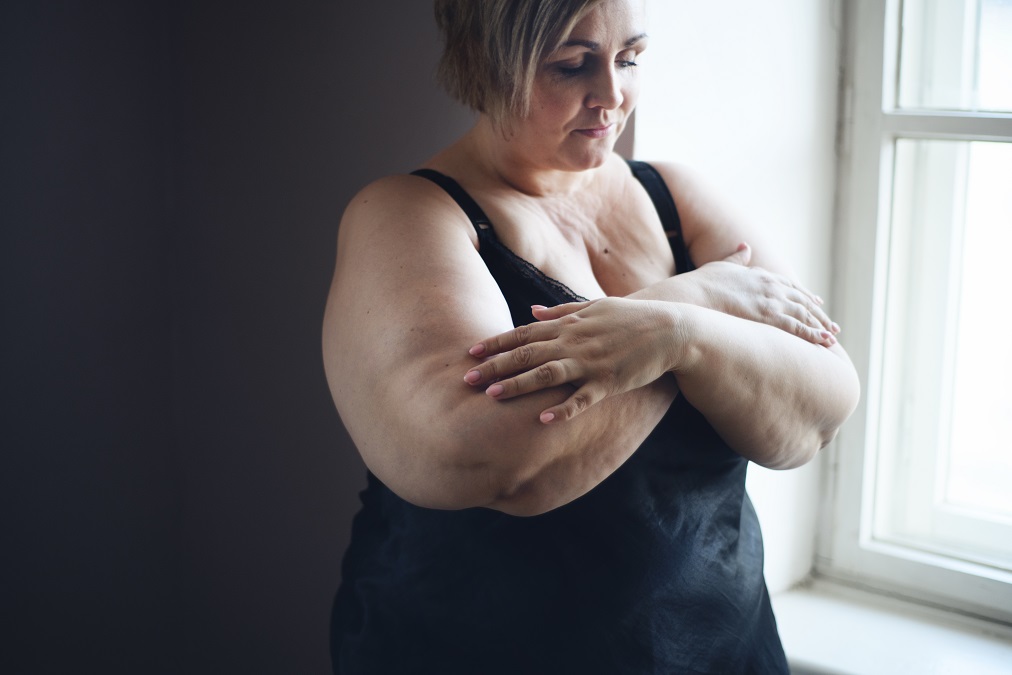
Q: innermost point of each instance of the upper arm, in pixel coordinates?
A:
(409, 295)
(712, 229)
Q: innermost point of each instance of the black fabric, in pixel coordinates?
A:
(665, 205)
(656, 570)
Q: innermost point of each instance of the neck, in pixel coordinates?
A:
(505, 160)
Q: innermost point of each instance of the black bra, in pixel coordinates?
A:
(644, 172)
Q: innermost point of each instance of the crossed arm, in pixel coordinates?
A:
(396, 346)
(775, 385)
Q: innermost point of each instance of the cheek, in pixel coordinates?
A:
(553, 112)
(631, 92)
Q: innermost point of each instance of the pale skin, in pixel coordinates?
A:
(453, 408)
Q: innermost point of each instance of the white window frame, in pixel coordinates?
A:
(869, 125)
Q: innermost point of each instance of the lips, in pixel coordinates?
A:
(598, 131)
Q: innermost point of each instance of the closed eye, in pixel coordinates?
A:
(571, 70)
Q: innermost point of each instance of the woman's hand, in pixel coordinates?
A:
(753, 293)
(603, 347)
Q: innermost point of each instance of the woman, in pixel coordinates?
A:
(557, 380)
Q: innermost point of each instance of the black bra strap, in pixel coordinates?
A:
(645, 173)
(665, 205)
(464, 200)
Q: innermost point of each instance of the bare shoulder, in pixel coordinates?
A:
(409, 291)
(404, 246)
(397, 205)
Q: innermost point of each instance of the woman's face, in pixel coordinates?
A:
(586, 90)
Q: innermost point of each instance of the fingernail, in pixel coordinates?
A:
(818, 299)
(825, 335)
(538, 307)
(835, 327)
(472, 376)
(495, 390)
(476, 350)
(547, 417)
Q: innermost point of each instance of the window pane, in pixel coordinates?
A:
(944, 451)
(956, 55)
(979, 474)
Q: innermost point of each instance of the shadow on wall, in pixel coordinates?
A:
(179, 488)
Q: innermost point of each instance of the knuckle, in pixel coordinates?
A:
(580, 402)
(544, 374)
(489, 370)
(522, 355)
(523, 334)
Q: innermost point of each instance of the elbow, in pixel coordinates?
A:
(791, 453)
(785, 454)
(791, 457)
(800, 451)
(474, 486)
(455, 478)
(528, 498)
(516, 490)
(519, 489)
(440, 485)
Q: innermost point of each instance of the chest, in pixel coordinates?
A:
(598, 245)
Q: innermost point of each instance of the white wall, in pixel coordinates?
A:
(746, 92)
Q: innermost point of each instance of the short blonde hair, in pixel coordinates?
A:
(492, 49)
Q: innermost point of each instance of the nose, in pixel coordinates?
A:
(606, 90)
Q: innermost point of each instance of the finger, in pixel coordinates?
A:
(519, 360)
(814, 297)
(542, 313)
(521, 335)
(804, 309)
(582, 398)
(741, 256)
(550, 374)
(817, 336)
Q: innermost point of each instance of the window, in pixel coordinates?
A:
(922, 501)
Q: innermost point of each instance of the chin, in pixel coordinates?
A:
(593, 160)
(586, 157)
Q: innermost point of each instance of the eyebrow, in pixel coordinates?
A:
(594, 46)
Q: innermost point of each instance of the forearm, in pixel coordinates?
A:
(774, 398)
(564, 461)
(679, 288)
(456, 447)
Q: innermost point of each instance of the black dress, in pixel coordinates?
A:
(658, 569)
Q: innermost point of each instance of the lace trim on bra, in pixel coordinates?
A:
(486, 235)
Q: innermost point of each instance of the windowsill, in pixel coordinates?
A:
(829, 629)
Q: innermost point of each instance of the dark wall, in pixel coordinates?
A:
(177, 488)
(89, 485)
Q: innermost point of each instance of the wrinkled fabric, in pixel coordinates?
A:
(656, 570)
